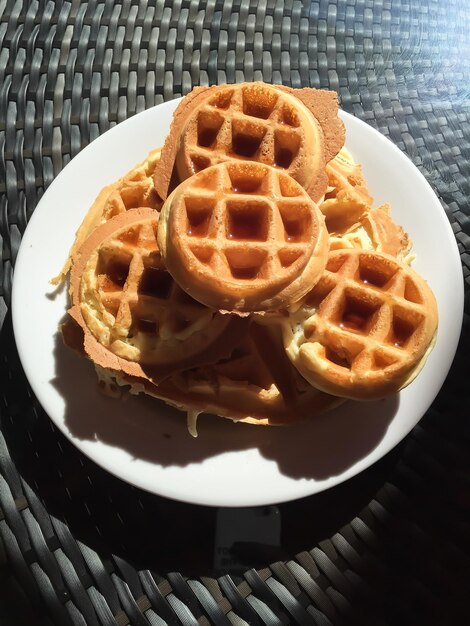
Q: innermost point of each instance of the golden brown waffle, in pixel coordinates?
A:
(367, 326)
(375, 230)
(133, 191)
(243, 237)
(252, 122)
(349, 217)
(135, 317)
(256, 384)
(347, 197)
(345, 175)
(295, 130)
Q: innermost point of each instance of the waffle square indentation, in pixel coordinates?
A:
(286, 147)
(375, 272)
(296, 219)
(246, 137)
(199, 211)
(209, 123)
(259, 102)
(247, 220)
(246, 264)
(155, 282)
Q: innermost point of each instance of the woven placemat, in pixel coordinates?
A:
(78, 546)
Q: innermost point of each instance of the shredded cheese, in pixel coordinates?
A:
(192, 421)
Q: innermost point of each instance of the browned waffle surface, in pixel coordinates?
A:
(374, 321)
(297, 131)
(79, 546)
(243, 236)
(133, 314)
(252, 122)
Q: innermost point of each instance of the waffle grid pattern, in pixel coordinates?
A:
(373, 310)
(265, 213)
(135, 192)
(131, 282)
(270, 133)
(140, 306)
(80, 547)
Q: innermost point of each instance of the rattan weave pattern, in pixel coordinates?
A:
(77, 546)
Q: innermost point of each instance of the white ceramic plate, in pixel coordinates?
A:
(147, 444)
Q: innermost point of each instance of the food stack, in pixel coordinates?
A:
(242, 270)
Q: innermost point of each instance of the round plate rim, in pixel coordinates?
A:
(303, 489)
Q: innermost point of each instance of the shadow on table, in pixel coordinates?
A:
(116, 519)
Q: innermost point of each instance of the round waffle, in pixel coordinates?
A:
(243, 237)
(134, 190)
(296, 130)
(252, 122)
(366, 327)
(134, 315)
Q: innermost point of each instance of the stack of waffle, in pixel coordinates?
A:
(241, 270)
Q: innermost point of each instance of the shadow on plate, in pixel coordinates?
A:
(118, 520)
(149, 430)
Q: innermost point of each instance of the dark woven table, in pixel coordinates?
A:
(78, 546)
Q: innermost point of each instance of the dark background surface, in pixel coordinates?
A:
(78, 546)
